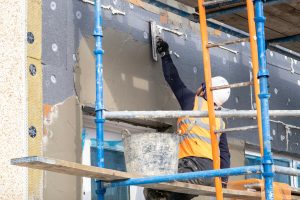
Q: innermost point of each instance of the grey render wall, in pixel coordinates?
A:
(134, 82)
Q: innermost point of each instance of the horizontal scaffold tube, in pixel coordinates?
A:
(242, 128)
(287, 171)
(256, 169)
(178, 113)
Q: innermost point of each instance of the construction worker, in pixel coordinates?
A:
(195, 151)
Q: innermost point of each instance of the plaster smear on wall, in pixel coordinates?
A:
(61, 140)
(132, 80)
(59, 118)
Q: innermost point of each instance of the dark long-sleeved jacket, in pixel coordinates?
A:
(186, 99)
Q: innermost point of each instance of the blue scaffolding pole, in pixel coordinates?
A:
(255, 169)
(263, 75)
(264, 96)
(98, 34)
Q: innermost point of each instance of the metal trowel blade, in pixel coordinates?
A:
(153, 31)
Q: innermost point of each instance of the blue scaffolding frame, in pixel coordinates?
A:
(99, 107)
(267, 162)
(264, 96)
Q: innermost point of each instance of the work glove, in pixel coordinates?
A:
(162, 47)
(224, 182)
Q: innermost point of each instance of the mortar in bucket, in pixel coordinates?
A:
(151, 153)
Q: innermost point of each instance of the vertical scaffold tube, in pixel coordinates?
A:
(210, 102)
(98, 34)
(263, 75)
(254, 55)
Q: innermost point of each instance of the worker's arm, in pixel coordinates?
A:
(184, 96)
(224, 155)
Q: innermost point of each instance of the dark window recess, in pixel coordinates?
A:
(113, 160)
(298, 167)
(281, 177)
(255, 160)
(252, 160)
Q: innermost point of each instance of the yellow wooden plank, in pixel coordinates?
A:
(35, 105)
(35, 124)
(35, 100)
(76, 169)
(34, 26)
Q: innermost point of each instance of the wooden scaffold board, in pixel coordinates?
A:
(71, 168)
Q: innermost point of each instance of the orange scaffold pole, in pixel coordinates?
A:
(254, 54)
(210, 102)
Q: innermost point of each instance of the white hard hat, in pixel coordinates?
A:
(220, 96)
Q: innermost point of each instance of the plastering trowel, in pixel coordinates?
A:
(156, 31)
(154, 35)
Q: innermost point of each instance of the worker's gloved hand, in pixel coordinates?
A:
(162, 47)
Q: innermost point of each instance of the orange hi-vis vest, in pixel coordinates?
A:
(194, 133)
